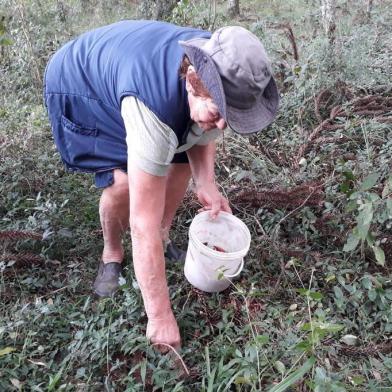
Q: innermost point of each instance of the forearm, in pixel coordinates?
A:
(149, 267)
(202, 162)
(146, 210)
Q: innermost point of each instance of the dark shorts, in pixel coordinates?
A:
(84, 142)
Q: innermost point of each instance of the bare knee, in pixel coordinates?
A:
(115, 198)
(119, 190)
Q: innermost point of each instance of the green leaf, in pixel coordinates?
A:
(364, 220)
(5, 41)
(241, 380)
(53, 381)
(358, 380)
(363, 231)
(338, 292)
(262, 339)
(365, 215)
(389, 206)
(367, 283)
(351, 206)
(373, 197)
(369, 181)
(280, 367)
(6, 350)
(370, 239)
(345, 187)
(307, 327)
(349, 175)
(379, 254)
(143, 372)
(321, 376)
(311, 294)
(330, 278)
(387, 187)
(322, 327)
(333, 328)
(372, 294)
(304, 346)
(316, 296)
(297, 69)
(294, 377)
(351, 243)
(354, 196)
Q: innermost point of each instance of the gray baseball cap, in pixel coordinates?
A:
(234, 67)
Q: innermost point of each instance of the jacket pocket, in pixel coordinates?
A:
(72, 127)
(79, 144)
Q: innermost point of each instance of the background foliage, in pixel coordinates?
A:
(312, 309)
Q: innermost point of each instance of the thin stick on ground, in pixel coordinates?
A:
(177, 354)
(275, 230)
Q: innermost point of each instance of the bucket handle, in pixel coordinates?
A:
(240, 268)
(237, 272)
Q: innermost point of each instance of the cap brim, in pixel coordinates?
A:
(259, 116)
(207, 71)
(196, 42)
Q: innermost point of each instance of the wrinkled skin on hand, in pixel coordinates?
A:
(212, 200)
(164, 330)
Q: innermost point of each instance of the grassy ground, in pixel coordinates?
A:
(312, 309)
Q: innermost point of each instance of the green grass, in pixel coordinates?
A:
(304, 314)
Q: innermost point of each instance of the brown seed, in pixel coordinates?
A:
(214, 247)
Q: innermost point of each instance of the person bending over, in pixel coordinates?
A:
(140, 104)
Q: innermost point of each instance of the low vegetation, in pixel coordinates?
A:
(311, 310)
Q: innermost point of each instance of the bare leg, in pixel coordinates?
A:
(177, 184)
(114, 208)
(114, 215)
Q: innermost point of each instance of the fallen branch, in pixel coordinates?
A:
(21, 259)
(18, 235)
(370, 105)
(282, 198)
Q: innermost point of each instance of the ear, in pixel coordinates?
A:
(188, 85)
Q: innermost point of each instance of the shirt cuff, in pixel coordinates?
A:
(148, 166)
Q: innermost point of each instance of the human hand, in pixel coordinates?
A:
(211, 199)
(164, 332)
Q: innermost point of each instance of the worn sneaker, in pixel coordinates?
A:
(173, 254)
(107, 281)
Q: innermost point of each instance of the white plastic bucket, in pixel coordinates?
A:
(208, 269)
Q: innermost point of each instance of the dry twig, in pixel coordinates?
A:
(176, 353)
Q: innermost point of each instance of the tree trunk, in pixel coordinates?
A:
(328, 8)
(369, 7)
(163, 9)
(233, 8)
